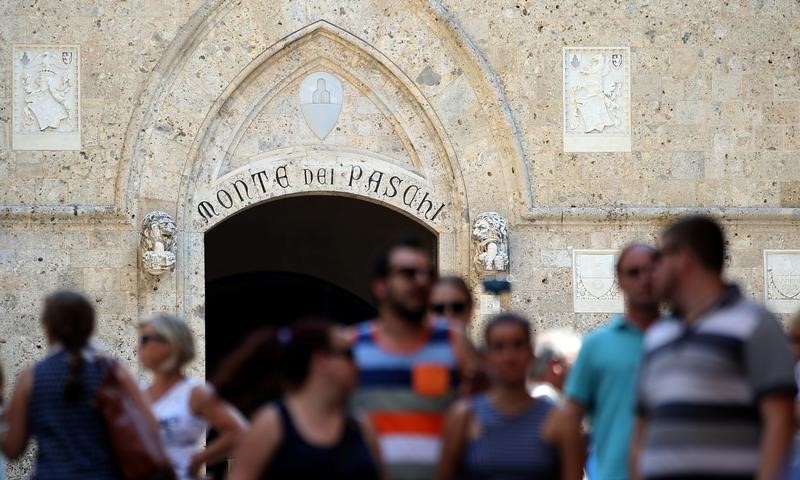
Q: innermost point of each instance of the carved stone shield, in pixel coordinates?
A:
(596, 275)
(66, 57)
(783, 277)
(321, 102)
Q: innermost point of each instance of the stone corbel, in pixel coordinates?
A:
(490, 237)
(158, 243)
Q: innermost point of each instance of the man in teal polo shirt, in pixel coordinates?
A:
(602, 383)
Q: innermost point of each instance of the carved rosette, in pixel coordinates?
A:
(490, 237)
(158, 243)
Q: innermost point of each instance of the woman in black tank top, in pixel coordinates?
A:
(309, 434)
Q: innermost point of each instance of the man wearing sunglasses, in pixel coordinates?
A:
(602, 382)
(408, 367)
(716, 389)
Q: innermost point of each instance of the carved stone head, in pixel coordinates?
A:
(158, 242)
(490, 233)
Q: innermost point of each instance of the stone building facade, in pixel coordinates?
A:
(583, 125)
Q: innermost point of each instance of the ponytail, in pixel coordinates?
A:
(74, 381)
(69, 318)
(270, 361)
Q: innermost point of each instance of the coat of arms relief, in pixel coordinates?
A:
(46, 98)
(596, 99)
(782, 280)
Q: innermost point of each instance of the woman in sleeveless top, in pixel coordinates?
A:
(183, 406)
(308, 434)
(54, 401)
(505, 433)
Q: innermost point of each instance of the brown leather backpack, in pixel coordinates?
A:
(135, 443)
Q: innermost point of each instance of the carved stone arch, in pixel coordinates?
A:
(210, 87)
(432, 161)
(147, 125)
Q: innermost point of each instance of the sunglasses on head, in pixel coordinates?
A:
(151, 337)
(442, 308)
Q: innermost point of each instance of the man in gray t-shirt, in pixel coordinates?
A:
(716, 388)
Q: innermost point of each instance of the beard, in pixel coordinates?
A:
(411, 314)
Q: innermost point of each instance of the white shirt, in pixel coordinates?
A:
(182, 431)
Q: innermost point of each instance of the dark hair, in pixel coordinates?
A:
(69, 318)
(459, 284)
(381, 265)
(703, 236)
(628, 248)
(271, 360)
(509, 319)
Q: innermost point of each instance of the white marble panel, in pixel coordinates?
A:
(321, 102)
(46, 97)
(594, 283)
(782, 280)
(597, 99)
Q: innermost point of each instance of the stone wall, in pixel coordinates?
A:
(473, 96)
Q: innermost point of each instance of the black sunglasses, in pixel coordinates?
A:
(409, 273)
(634, 272)
(442, 308)
(148, 337)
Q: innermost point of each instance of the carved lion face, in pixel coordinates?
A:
(489, 226)
(158, 227)
(482, 230)
(165, 227)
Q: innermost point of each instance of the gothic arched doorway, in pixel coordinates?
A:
(296, 256)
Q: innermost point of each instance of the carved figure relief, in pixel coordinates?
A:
(46, 98)
(321, 102)
(596, 99)
(490, 233)
(594, 282)
(158, 243)
(782, 280)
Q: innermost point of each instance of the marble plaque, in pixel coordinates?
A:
(489, 304)
(46, 97)
(597, 99)
(321, 98)
(594, 283)
(782, 280)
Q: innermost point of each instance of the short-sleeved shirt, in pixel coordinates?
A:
(406, 395)
(700, 388)
(603, 380)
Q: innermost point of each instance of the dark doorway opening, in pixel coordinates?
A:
(279, 261)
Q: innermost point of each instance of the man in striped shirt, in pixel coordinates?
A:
(408, 368)
(716, 387)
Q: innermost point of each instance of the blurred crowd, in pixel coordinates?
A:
(692, 381)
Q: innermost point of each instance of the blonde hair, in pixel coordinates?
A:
(177, 333)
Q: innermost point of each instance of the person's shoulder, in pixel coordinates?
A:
(268, 417)
(664, 330)
(461, 409)
(603, 333)
(740, 319)
(200, 391)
